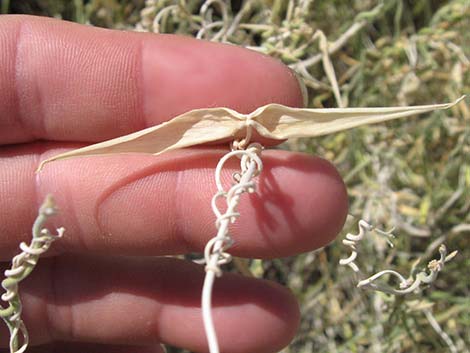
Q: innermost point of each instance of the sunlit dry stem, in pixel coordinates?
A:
(207, 25)
(360, 23)
(328, 66)
(435, 325)
(165, 11)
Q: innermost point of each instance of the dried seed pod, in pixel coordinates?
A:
(271, 121)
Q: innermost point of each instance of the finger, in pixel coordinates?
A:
(64, 347)
(63, 81)
(143, 301)
(142, 205)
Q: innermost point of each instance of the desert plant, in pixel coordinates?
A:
(22, 266)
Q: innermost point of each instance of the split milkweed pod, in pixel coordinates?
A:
(271, 121)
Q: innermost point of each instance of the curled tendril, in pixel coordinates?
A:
(250, 165)
(352, 241)
(215, 252)
(22, 265)
(406, 285)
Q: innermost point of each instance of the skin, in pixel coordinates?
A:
(101, 288)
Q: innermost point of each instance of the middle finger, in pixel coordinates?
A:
(140, 301)
(144, 205)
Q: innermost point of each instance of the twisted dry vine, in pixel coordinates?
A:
(22, 266)
(215, 253)
(406, 285)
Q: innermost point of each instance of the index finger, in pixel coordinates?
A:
(67, 82)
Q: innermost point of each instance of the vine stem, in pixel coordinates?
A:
(22, 266)
(214, 252)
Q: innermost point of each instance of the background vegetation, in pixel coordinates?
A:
(413, 175)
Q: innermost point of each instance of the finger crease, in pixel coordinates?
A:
(19, 112)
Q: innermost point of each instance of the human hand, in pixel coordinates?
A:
(101, 289)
